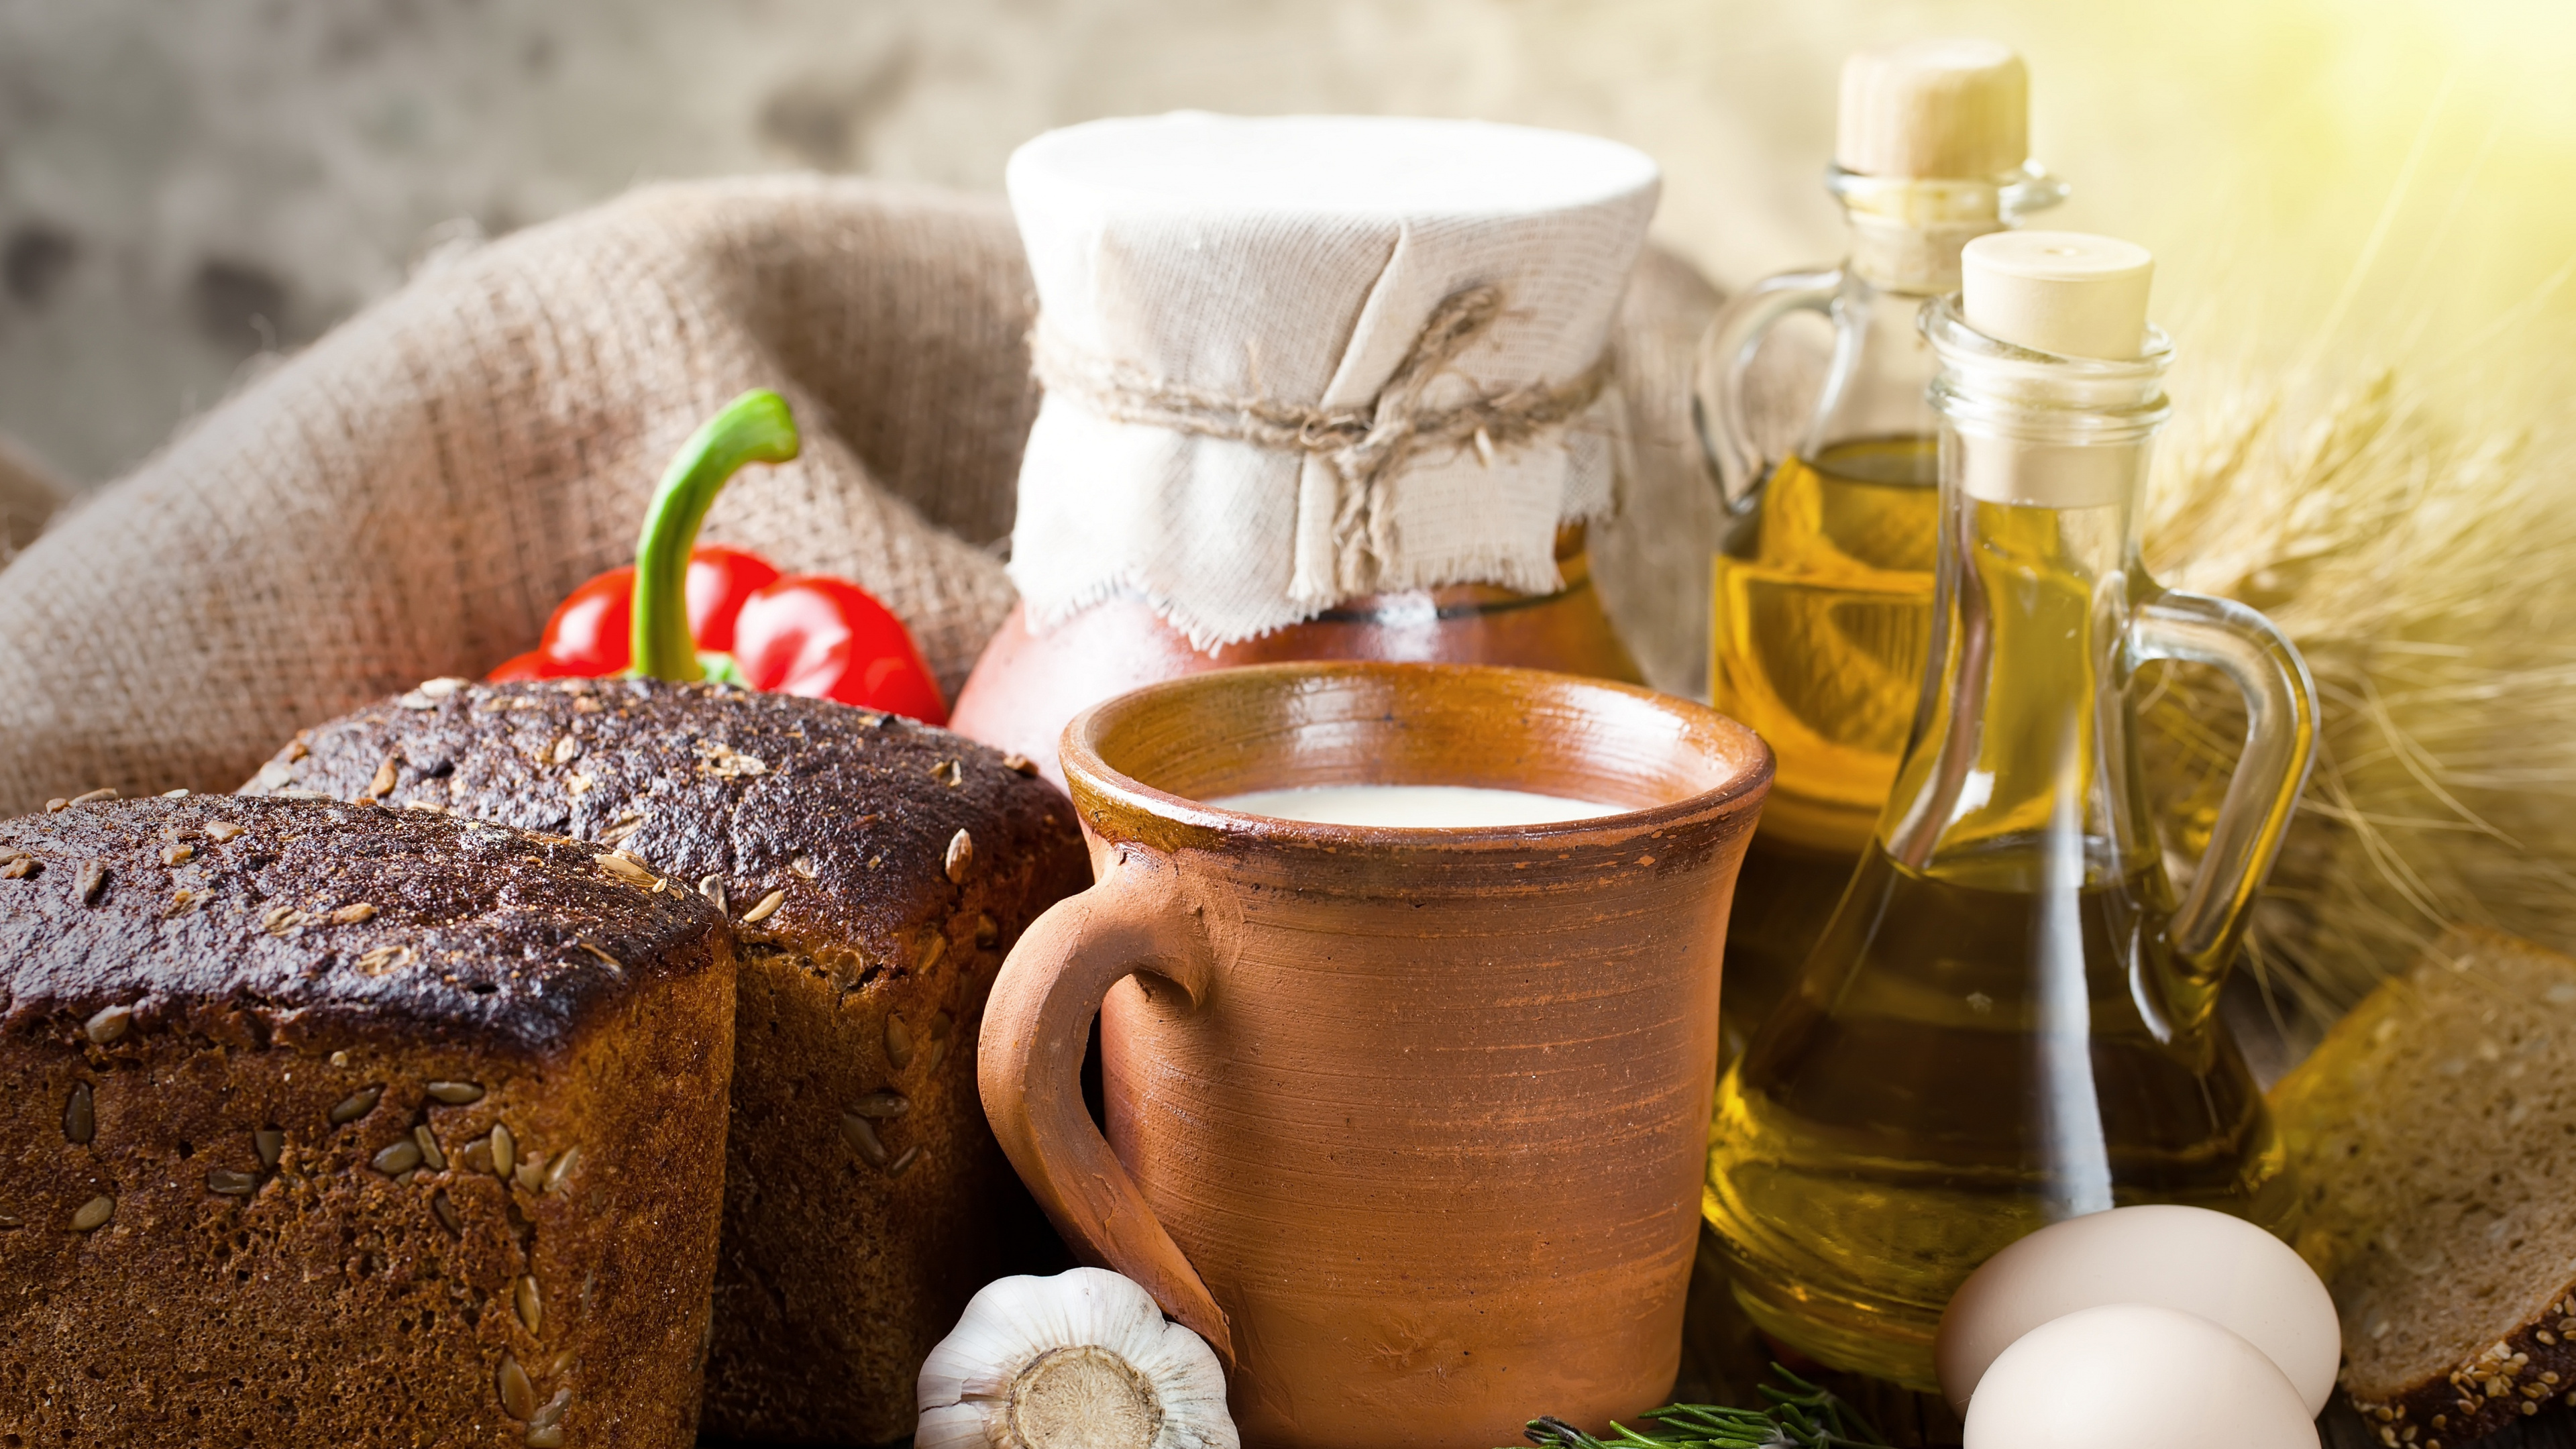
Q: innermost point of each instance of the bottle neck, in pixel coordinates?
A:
(1907, 232)
(1909, 260)
(2021, 774)
(1906, 238)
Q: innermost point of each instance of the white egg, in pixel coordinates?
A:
(2135, 1376)
(2221, 1268)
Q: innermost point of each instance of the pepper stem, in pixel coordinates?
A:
(753, 428)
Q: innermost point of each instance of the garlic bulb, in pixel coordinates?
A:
(1082, 1360)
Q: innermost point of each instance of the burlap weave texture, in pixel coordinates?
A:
(411, 495)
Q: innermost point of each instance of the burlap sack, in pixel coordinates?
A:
(410, 496)
(28, 496)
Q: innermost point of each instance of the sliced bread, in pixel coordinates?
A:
(348, 1127)
(2434, 1135)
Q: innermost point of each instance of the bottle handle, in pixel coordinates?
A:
(1037, 1025)
(2280, 745)
(1726, 354)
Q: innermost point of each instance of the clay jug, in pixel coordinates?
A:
(1313, 387)
(1408, 1123)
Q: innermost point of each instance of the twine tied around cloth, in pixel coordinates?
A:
(1366, 446)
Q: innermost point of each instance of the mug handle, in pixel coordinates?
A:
(1037, 1025)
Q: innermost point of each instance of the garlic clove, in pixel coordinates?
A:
(953, 1426)
(1083, 1360)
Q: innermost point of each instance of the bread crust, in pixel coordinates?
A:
(2515, 1377)
(251, 1194)
(876, 871)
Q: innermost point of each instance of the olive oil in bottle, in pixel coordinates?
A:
(1976, 1074)
(1822, 593)
(2010, 1018)
(1823, 614)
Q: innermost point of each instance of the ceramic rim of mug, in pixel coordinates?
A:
(1194, 822)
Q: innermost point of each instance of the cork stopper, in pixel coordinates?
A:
(2061, 292)
(1954, 109)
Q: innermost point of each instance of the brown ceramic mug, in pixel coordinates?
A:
(1408, 1123)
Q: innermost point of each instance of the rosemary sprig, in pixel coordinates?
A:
(1802, 1416)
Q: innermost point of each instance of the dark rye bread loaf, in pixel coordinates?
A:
(2431, 1132)
(336, 1126)
(876, 871)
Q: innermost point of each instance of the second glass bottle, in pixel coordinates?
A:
(1822, 593)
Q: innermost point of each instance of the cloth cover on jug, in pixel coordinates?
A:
(1292, 359)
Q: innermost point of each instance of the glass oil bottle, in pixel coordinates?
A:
(1822, 593)
(2010, 1018)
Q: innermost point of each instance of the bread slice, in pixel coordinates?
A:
(876, 871)
(2434, 1136)
(333, 1126)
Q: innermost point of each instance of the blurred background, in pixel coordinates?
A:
(186, 189)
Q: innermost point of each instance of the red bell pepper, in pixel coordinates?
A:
(730, 614)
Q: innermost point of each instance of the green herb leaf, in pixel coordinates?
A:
(1802, 1416)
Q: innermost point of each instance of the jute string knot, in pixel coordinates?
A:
(1367, 446)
